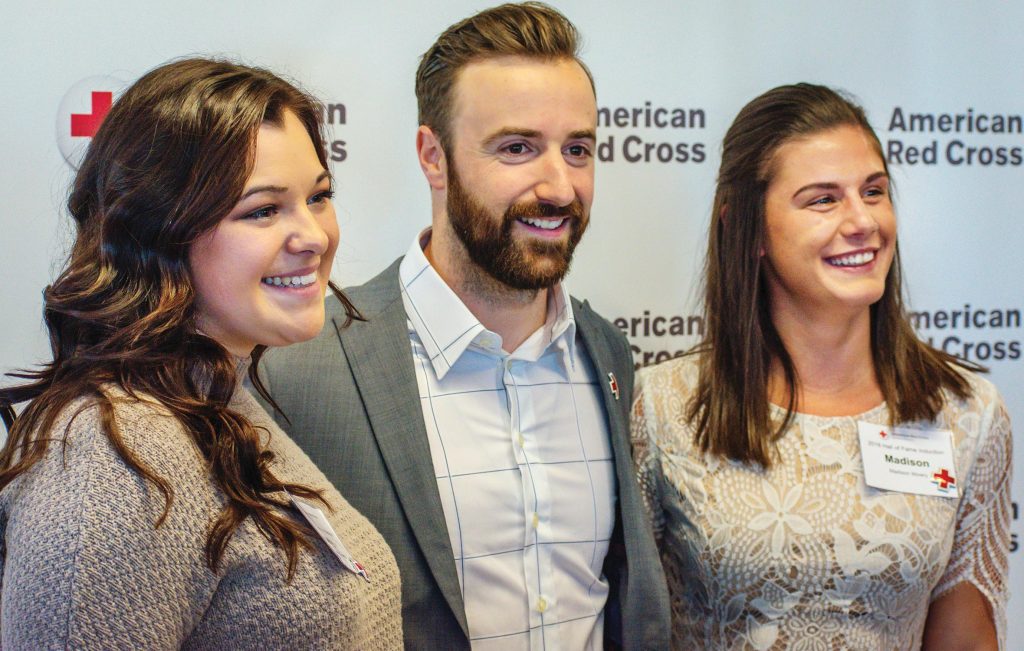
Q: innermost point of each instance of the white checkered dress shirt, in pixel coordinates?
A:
(524, 466)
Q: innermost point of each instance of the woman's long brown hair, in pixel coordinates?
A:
(168, 163)
(730, 411)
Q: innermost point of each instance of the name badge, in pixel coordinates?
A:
(908, 460)
(316, 519)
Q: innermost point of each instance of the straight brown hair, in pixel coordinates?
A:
(730, 410)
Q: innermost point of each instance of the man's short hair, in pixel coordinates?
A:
(528, 29)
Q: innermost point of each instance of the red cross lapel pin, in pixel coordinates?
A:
(613, 385)
(944, 480)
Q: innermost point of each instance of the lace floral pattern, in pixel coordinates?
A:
(805, 555)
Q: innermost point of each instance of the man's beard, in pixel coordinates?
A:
(529, 264)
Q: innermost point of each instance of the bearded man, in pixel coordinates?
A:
(479, 416)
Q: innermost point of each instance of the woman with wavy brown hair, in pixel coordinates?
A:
(146, 499)
(819, 477)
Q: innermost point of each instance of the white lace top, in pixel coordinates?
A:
(805, 555)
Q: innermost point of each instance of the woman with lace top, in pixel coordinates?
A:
(147, 501)
(818, 477)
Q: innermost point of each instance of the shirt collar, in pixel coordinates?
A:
(447, 328)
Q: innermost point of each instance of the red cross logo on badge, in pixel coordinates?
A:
(613, 385)
(944, 480)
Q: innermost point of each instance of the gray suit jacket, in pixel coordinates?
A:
(353, 405)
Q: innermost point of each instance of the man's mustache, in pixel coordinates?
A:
(528, 209)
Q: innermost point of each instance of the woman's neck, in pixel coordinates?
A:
(832, 357)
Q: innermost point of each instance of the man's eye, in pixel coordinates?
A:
(516, 148)
(579, 151)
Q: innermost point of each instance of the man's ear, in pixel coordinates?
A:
(432, 159)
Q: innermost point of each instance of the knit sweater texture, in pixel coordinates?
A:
(83, 565)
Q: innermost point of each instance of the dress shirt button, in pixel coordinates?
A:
(536, 520)
(520, 440)
(542, 605)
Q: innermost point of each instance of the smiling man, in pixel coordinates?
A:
(479, 416)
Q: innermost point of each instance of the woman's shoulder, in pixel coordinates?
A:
(146, 427)
(679, 374)
(662, 396)
(86, 533)
(979, 420)
(982, 393)
(89, 475)
(87, 438)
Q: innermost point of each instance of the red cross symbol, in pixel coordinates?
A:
(85, 125)
(883, 434)
(943, 479)
(614, 385)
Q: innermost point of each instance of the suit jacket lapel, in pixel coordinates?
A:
(381, 360)
(607, 370)
(642, 595)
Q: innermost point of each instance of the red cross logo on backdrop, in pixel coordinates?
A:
(81, 112)
(85, 125)
(883, 434)
(944, 480)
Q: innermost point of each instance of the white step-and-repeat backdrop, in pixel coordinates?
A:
(942, 83)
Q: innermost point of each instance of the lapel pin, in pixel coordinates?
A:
(613, 385)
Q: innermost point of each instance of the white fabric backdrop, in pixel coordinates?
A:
(960, 223)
